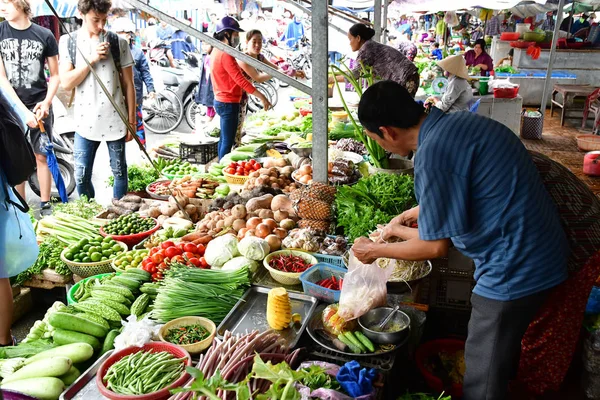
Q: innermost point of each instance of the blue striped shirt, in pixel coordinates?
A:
(476, 184)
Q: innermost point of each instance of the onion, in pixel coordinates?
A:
(239, 224)
(305, 169)
(264, 213)
(288, 224)
(242, 233)
(238, 211)
(274, 242)
(249, 232)
(262, 231)
(271, 224)
(281, 233)
(253, 222)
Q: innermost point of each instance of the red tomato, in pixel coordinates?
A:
(178, 259)
(203, 263)
(189, 255)
(230, 170)
(233, 165)
(252, 162)
(195, 262)
(256, 166)
(153, 250)
(151, 267)
(200, 249)
(173, 251)
(166, 245)
(157, 258)
(239, 171)
(191, 247)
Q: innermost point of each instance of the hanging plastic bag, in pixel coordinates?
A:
(18, 244)
(365, 286)
(451, 18)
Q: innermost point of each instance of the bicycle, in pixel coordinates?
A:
(163, 112)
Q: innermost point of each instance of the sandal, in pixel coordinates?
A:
(13, 343)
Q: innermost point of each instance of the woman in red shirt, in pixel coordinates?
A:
(478, 57)
(229, 83)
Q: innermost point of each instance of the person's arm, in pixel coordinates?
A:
(10, 94)
(145, 73)
(71, 77)
(499, 63)
(413, 249)
(128, 86)
(449, 98)
(41, 109)
(233, 69)
(253, 73)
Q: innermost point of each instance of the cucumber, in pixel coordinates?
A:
(52, 366)
(348, 343)
(109, 341)
(76, 323)
(94, 318)
(76, 352)
(70, 377)
(150, 288)
(134, 277)
(46, 388)
(98, 309)
(63, 336)
(111, 296)
(122, 290)
(131, 284)
(365, 341)
(350, 336)
(118, 307)
(137, 272)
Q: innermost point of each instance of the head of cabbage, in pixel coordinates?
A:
(254, 248)
(220, 250)
(239, 263)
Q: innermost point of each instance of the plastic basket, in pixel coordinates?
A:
(86, 270)
(200, 153)
(235, 179)
(506, 93)
(333, 260)
(531, 127)
(288, 278)
(71, 293)
(316, 273)
(132, 240)
(154, 347)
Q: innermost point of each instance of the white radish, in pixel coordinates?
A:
(53, 366)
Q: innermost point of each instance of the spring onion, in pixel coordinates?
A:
(69, 229)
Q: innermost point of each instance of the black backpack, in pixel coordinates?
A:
(17, 160)
(112, 39)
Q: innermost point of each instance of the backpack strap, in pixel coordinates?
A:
(72, 46)
(115, 49)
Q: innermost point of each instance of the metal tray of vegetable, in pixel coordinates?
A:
(250, 313)
(329, 341)
(85, 388)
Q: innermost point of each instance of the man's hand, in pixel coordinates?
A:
(390, 231)
(152, 95)
(31, 120)
(41, 110)
(407, 218)
(101, 53)
(363, 250)
(133, 125)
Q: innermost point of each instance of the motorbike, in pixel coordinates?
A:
(157, 53)
(301, 59)
(63, 136)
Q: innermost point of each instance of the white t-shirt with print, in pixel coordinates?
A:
(95, 117)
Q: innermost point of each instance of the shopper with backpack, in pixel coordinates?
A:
(96, 118)
(24, 49)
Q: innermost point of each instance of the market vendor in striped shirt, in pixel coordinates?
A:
(477, 188)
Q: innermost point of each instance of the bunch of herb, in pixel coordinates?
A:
(82, 207)
(372, 201)
(48, 257)
(307, 124)
(138, 176)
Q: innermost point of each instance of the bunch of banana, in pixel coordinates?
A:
(279, 309)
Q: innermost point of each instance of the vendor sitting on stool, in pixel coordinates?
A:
(458, 94)
(479, 58)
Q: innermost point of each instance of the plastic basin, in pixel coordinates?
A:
(132, 240)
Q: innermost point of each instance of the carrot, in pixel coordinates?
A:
(203, 240)
(190, 237)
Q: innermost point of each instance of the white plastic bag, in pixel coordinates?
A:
(137, 333)
(365, 286)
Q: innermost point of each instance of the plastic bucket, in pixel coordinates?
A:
(483, 86)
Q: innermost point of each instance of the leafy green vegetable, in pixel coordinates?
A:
(26, 349)
(373, 200)
(138, 176)
(506, 69)
(276, 130)
(307, 124)
(82, 207)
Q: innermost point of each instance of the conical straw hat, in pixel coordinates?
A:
(455, 65)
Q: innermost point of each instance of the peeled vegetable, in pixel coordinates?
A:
(239, 263)
(253, 248)
(220, 250)
(279, 309)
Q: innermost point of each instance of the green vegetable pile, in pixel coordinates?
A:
(506, 69)
(138, 177)
(372, 201)
(93, 250)
(185, 168)
(143, 372)
(307, 124)
(82, 207)
(48, 257)
(129, 224)
(188, 334)
(276, 130)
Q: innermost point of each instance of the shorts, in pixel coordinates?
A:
(37, 144)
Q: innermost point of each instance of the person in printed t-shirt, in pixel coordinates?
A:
(24, 49)
(96, 118)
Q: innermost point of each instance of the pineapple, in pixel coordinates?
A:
(314, 224)
(308, 208)
(321, 191)
(279, 309)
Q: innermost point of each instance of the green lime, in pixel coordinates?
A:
(86, 260)
(83, 242)
(107, 253)
(96, 256)
(87, 247)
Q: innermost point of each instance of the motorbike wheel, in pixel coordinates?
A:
(254, 104)
(191, 108)
(163, 113)
(272, 90)
(66, 171)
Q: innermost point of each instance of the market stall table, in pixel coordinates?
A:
(569, 93)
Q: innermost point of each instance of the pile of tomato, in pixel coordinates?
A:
(161, 257)
(242, 168)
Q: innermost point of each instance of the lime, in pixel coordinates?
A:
(96, 256)
(86, 260)
(116, 247)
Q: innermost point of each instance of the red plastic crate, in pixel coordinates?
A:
(506, 93)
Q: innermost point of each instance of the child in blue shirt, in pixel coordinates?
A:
(436, 53)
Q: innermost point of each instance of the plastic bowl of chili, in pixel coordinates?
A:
(286, 266)
(194, 334)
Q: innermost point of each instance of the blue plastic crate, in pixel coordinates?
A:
(316, 273)
(334, 260)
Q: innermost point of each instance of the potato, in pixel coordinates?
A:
(161, 219)
(191, 209)
(228, 221)
(154, 212)
(259, 203)
(264, 214)
(280, 215)
(168, 209)
(220, 225)
(239, 224)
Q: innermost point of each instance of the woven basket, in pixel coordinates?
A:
(588, 142)
(90, 269)
(235, 179)
(531, 127)
(288, 278)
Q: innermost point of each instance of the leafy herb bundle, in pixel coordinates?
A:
(82, 207)
(372, 201)
(138, 177)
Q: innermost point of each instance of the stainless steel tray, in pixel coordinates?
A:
(262, 277)
(85, 388)
(250, 313)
